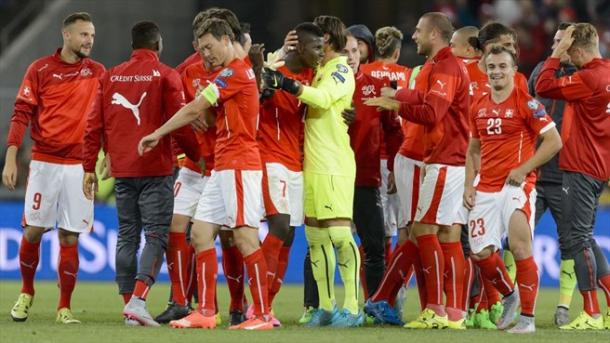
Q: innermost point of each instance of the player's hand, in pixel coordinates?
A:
(565, 43)
(383, 103)
(272, 79)
(290, 41)
(148, 143)
(349, 116)
(388, 92)
(266, 93)
(199, 124)
(516, 177)
(256, 55)
(202, 165)
(468, 198)
(105, 172)
(391, 183)
(9, 174)
(89, 185)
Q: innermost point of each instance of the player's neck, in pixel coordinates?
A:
(500, 96)
(293, 63)
(329, 55)
(231, 55)
(435, 49)
(68, 56)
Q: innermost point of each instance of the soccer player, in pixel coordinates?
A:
(548, 185)
(365, 138)
(232, 195)
(329, 173)
(478, 293)
(366, 42)
(505, 125)
(55, 96)
(280, 142)
(388, 42)
(585, 160)
(135, 97)
(441, 109)
(188, 189)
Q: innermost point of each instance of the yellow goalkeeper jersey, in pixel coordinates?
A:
(327, 143)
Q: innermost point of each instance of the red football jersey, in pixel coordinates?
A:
(280, 135)
(508, 133)
(194, 78)
(236, 119)
(442, 109)
(55, 97)
(586, 120)
(194, 58)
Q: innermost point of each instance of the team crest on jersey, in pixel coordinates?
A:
(482, 112)
(508, 113)
(537, 109)
(220, 82)
(27, 91)
(196, 83)
(368, 90)
(85, 72)
(342, 69)
(532, 104)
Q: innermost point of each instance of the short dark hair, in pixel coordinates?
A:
(216, 27)
(499, 49)
(74, 17)
(494, 30)
(564, 25)
(308, 28)
(335, 28)
(441, 22)
(145, 35)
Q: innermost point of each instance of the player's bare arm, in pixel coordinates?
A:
(9, 173)
(473, 160)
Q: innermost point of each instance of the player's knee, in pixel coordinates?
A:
(483, 254)
(340, 236)
(67, 238)
(33, 234)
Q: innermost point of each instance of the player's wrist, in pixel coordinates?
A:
(291, 86)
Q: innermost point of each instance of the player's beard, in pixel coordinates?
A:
(80, 53)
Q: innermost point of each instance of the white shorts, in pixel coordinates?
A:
(187, 191)
(283, 192)
(407, 174)
(440, 195)
(389, 203)
(489, 219)
(54, 195)
(463, 212)
(232, 198)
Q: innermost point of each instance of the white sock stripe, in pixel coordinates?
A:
(438, 278)
(203, 286)
(180, 278)
(603, 287)
(385, 277)
(259, 288)
(502, 277)
(454, 282)
(468, 284)
(590, 301)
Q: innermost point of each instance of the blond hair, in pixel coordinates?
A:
(387, 40)
(585, 36)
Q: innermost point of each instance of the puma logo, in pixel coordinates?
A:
(170, 266)
(565, 189)
(329, 207)
(86, 222)
(236, 278)
(441, 83)
(314, 263)
(427, 270)
(344, 265)
(118, 99)
(570, 275)
(31, 265)
(529, 287)
(70, 274)
(58, 76)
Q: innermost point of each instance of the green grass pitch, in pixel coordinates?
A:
(99, 307)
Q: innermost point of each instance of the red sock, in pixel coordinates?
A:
(257, 271)
(388, 252)
(191, 267)
(527, 279)
(207, 271)
(453, 278)
(483, 301)
(468, 279)
(233, 266)
(393, 278)
(29, 256)
(141, 290)
(271, 250)
(126, 297)
(67, 270)
(420, 278)
(604, 284)
(282, 265)
(365, 289)
(491, 293)
(177, 266)
(433, 265)
(590, 304)
(493, 269)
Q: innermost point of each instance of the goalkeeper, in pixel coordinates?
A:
(329, 172)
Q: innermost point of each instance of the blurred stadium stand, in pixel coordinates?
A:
(30, 29)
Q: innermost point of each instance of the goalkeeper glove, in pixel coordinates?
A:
(276, 80)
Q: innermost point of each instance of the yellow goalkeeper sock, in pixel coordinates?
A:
(322, 264)
(509, 262)
(567, 282)
(349, 264)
